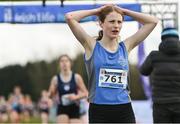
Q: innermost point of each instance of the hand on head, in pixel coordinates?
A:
(103, 7)
(117, 8)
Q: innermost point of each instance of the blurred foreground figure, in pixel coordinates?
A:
(163, 66)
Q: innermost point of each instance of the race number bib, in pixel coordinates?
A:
(112, 78)
(65, 100)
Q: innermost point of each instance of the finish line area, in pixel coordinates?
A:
(32, 32)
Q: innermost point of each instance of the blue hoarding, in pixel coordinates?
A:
(49, 13)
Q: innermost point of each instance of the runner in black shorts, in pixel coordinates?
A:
(71, 110)
(70, 89)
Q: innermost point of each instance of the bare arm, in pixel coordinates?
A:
(148, 22)
(73, 18)
(53, 87)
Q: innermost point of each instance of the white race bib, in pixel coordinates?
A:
(112, 78)
(65, 100)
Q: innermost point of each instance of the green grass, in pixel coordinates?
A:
(33, 120)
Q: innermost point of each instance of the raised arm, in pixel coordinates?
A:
(148, 24)
(73, 18)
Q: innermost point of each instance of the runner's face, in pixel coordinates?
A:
(65, 63)
(112, 25)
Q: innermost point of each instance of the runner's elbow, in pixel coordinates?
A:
(68, 17)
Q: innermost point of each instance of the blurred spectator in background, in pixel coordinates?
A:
(163, 66)
(44, 106)
(16, 104)
(3, 110)
(28, 108)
